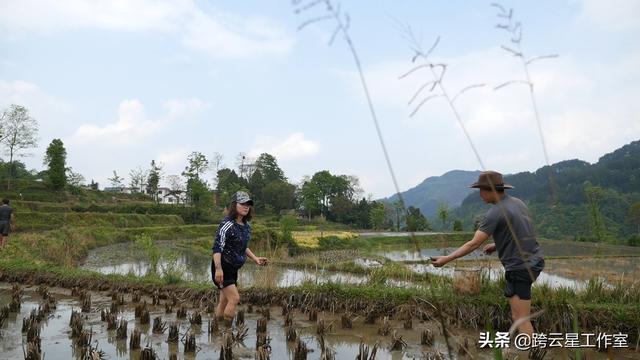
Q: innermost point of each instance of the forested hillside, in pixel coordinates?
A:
(575, 199)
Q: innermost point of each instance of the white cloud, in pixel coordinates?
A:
(217, 34)
(575, 100)
(31, 96)
(121, 15)
(180, 109)
(53, 114)
(294, 147)
(234, 38)
(616, 15)
(173, 160)
(130, 127)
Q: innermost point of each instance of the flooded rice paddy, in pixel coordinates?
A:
(57, 342)
(550, 248)
(194, 265)
(573, 269)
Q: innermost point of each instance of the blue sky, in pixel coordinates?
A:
(125, 82)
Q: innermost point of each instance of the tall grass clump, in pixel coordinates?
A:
(146, 244)
(171, 270)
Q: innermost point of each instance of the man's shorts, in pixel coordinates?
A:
(518, 282)
(5, 228)
(229, 275)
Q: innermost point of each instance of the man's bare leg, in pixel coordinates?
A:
(521, 313)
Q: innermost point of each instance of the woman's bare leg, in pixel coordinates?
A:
(233, 298)
(222, 304)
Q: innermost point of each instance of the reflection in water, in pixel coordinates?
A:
(495, 273)
(549, 248)
(425, 253)
(193, 266)
(196, 267)
(57, 345)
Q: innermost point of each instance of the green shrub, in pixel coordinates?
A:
(634, 240)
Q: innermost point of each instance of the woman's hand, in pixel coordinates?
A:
(219, 278)
(489, 248)
(261, 261)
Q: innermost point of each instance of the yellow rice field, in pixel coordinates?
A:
(310, 239)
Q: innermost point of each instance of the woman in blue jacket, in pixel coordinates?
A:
(230, 251)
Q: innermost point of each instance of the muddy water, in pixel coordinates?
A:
(56, 343)
(495, 272)
(558, 273)
(581, 264)
(192, 266)
(549, 248)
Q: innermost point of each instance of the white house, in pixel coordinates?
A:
(168, 196)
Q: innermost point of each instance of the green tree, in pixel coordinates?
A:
(594, 196)
(443, 214)
(55, 159)
(634, 216)
(153, 180)
(342, 210)
(377, 215)
(323, 182)
(197, 165)
(19, 131)
(256, 185)
(416, 221)
(228, 183)
(361, 214)
(116, 180)
(326, 187)
(457, 225)
(398, 206)
(279, 194)
(198, 193)
(310, 198)
(267, 165)
(138, 178)
(74, 178)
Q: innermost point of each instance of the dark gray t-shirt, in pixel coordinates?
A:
(495, 223)
(5, 212)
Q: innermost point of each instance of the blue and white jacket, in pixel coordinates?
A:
(231, 241)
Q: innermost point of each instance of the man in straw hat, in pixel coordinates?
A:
(510, 224)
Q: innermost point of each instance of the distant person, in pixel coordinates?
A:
(7, 221)
(230, 251)
(510, 224)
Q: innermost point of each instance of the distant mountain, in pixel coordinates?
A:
(450, 188)
(560, 206)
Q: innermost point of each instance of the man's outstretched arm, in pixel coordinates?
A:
(478, 238)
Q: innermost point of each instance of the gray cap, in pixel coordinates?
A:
(242, 197)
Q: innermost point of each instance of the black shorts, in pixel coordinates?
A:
(5, 228)
(229, 275)
(518, 282)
